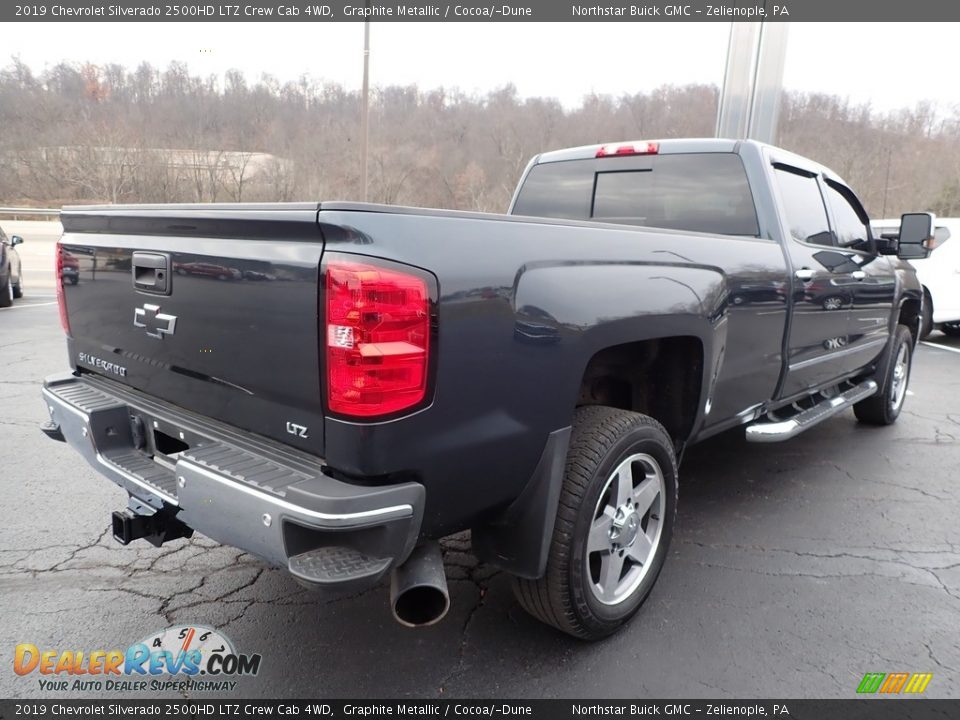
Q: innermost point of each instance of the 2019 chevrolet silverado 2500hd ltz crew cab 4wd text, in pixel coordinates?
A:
(407, 373)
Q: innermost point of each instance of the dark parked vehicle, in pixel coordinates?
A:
(256, 275)
(70, 267)
(535, 378)
(220, 272)
(11, 278)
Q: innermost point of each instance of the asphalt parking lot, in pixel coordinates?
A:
(795, 569)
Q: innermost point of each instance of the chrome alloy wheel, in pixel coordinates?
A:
(626, 528)
(901, 372)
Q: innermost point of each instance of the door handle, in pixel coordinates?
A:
(858, 274)
(151, 272)
(804, 274)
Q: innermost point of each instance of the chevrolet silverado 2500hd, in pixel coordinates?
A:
(395, 375)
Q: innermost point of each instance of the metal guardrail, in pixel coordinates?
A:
(17, 212)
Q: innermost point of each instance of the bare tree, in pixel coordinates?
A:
(78, 133)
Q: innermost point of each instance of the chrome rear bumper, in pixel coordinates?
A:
(237, 488)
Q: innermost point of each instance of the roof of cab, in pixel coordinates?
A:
(692, 145)
(667, 147)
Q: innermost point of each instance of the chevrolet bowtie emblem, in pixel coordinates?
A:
(156, 323)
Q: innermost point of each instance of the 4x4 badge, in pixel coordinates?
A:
(156, 323)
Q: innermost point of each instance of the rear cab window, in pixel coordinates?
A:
(699, 192)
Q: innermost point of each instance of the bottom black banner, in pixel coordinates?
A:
(858, 709)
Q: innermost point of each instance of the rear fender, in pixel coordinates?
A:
(603, 304)
(588, 301)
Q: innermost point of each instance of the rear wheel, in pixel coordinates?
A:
(951, 328)
(6, 293)
(613, 526)
(893, 376)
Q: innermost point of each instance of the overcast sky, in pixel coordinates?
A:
(889, 65)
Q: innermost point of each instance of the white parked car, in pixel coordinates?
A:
(939, 274)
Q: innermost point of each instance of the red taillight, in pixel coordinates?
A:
(377, 337)
(632, 148)
(61, 300)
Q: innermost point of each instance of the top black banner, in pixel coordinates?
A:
(481, 11)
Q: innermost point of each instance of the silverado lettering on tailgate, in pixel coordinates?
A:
(102, 364)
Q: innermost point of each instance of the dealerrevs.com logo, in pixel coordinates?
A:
(183, 657)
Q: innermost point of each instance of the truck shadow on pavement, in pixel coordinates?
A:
(756, 524)
(744, 509)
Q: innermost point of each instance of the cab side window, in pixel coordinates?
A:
(851, 230)
(806, 214)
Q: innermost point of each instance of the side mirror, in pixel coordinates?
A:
(886, 245)
(916, 236)
(15, 240)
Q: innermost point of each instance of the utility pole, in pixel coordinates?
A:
(365, 108)
(750, 98)
(886, 183)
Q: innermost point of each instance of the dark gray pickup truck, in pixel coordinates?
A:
(334, 386)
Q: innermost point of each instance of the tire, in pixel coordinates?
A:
(572, 595)
(18, 289)
(74, 279)
(926, 319)
(893, 377)
(834, 302)
(952, 329)
(6, 293)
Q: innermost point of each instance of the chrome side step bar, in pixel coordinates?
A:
(774, 431)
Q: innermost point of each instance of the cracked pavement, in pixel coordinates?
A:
(795, 567)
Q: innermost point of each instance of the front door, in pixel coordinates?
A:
(822, 289)
(874, 286)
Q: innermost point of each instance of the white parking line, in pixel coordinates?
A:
(28, 305)
(942, 347)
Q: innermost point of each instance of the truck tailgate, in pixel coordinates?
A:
(213, 308)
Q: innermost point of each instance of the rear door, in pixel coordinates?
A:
(822, 292)
(211, 308)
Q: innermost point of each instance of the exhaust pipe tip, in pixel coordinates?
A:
(421, 606)
(418, 588)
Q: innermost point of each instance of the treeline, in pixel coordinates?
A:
(110, 134)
